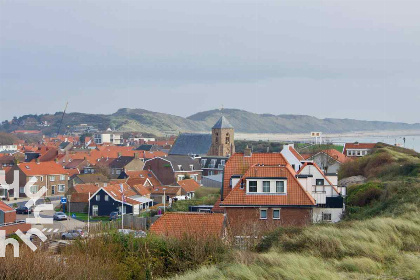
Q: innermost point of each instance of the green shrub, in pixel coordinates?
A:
(362, 195)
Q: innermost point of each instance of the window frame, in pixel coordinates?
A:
(264, 186)
(98, 197)
(266, 213)
(284, 187)
(249, 186)
(276, 209)
(61, 185)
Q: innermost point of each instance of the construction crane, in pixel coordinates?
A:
(62, 118)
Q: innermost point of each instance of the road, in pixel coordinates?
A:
(57, 226)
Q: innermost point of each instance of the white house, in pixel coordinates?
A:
(328, 197)
(292, 156)
(108, 137)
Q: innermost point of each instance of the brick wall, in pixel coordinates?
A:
(246, 221)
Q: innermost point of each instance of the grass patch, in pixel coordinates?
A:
(84, 217)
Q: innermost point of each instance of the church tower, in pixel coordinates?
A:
(223, 143)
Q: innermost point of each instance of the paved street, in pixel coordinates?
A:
(57, 226)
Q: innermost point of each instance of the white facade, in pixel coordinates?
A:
(112, 138)
(290, 157)
(321, 187)
(357, 152)
(8, 148)
(327, 215)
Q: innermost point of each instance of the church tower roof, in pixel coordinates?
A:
(222, 123)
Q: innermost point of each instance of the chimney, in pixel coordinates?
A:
(247, 152)
(136, 155)
(119, 154)
(37, 160)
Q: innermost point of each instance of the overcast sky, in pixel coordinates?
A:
(344, 58)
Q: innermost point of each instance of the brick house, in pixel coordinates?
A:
(261, 192)
(174, 168)
(8, 220)
(48, 174)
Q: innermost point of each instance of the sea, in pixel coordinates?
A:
(411, 141)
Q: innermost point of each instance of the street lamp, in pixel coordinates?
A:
(164, 200)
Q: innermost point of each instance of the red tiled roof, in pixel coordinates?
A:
(80, 197)
(140, 177)
(141, 190)
(169, 190)
(42, 168)
(5, 208)
(295, 153)
(238, 164)
(336, 155)
(296, 194)
(189, 185)
(358, 146)
(115, 192)
(184, 224)
(86, 188)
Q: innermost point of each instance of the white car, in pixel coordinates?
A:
(59, 216)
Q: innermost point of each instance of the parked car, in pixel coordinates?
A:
(72, 234)
(23, 210)
(59, 216)
(113, 216)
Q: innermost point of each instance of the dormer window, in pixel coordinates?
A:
(279, 186)
(266, 186)
(252, 186)
(191, 166)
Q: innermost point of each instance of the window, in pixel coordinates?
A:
(33, 189)
(62, 177)
(280, 186)
(227, 138)
(22, 189)
(61, 188)
(319, 182)
(252, 186)
(98, 197)
(192, 166)
(203, 162)
(52, 178)
(118, 172)
(326, 217)
(266, 186)
(181, 177)
(276, 214)
(106, 197)
(41, 178)
(263, 214)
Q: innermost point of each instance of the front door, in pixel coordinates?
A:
(52, 189)
(95, 210)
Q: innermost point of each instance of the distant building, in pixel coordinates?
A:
(220, 143)
(292, 156)
(114, 138)
(223, 143)
(172, 169)
(358, 149)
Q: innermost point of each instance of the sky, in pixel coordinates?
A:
(354, 59)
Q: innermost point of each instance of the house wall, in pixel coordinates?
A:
(135, 165)
(336, 214)
(79, 207)
(162, 169)
(106, 207)
(290, 157)
(326, 163)
(246, 221)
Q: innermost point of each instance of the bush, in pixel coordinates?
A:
(363, 195)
